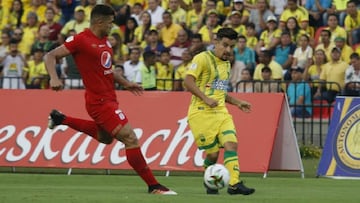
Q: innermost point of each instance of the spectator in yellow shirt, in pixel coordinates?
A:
(165, 72)
(270, 37)
(193, 16)
(299, 12)
(169, 30)
(212, 26)
(177, 13)
(78, 24)
(335, 29)
(36, 74)
(36, 6)
(346, 50)
(352, 23)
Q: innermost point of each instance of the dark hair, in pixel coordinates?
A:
(266, 69)
(327, 31)
(252, 25)
(129, 34)
(242, 37)
(101, 10)
(355, 56)
(197, 36)
(226, 33)
(148, 54)
(352, 1)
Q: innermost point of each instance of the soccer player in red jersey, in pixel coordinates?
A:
(93, 54)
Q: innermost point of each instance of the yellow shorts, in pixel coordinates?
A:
(212, 129)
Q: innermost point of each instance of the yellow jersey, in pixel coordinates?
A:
(212, 78)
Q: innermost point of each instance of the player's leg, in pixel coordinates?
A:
(205, 138)
(137, 161)
(227, 139)
(86, 126)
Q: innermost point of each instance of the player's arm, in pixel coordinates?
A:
(135, 88)
(191, 86)
(241, 104)
(50, 65)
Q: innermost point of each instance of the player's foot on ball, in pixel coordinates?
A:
(161, 190)
(240, 188)
(55, 118)
(210, 191)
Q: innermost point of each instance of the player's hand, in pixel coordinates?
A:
(211, 102)
(56, 84)
(135, 88)
(244, 106)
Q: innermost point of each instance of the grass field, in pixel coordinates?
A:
(54, 186)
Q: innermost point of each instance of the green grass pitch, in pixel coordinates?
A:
(54, 186)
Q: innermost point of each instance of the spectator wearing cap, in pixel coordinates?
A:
(260, 15)
(37, 7)
(335, 29)
(352, 76)
(212, 26)
(169, 31)
(79, 23)
(270, 37)
(210, 7)
(352, 22)
(300, 13)
(155, 11)
(234, 22)
(36, 74)
(193, 16)
(153, 43)
(267, 84)
(265, 59)
(238, 5)
(346, 50)
(334, 74)
(299, 94)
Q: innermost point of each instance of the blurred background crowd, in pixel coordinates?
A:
(154, 41)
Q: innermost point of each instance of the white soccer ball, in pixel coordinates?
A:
(216, 176)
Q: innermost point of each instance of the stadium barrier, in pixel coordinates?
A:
(310, 130)
(159, 120)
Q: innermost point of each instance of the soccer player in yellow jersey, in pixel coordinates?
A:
(209, 120)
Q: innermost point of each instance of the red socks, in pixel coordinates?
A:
(137, 161)
(85, 126)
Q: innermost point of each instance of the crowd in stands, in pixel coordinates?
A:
(154, 42)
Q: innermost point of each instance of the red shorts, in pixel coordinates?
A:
(107, 116)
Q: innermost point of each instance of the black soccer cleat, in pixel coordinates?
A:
(210, 191)
(240, 188)
(55, 118)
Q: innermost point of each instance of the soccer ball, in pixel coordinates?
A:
(216, 176)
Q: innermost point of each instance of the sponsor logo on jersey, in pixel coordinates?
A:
(108, 43)
(106, 59)
(69, 39)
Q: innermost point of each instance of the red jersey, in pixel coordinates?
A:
(93, 58)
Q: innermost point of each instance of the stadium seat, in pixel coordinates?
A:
(317, 34)
(321, 109)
